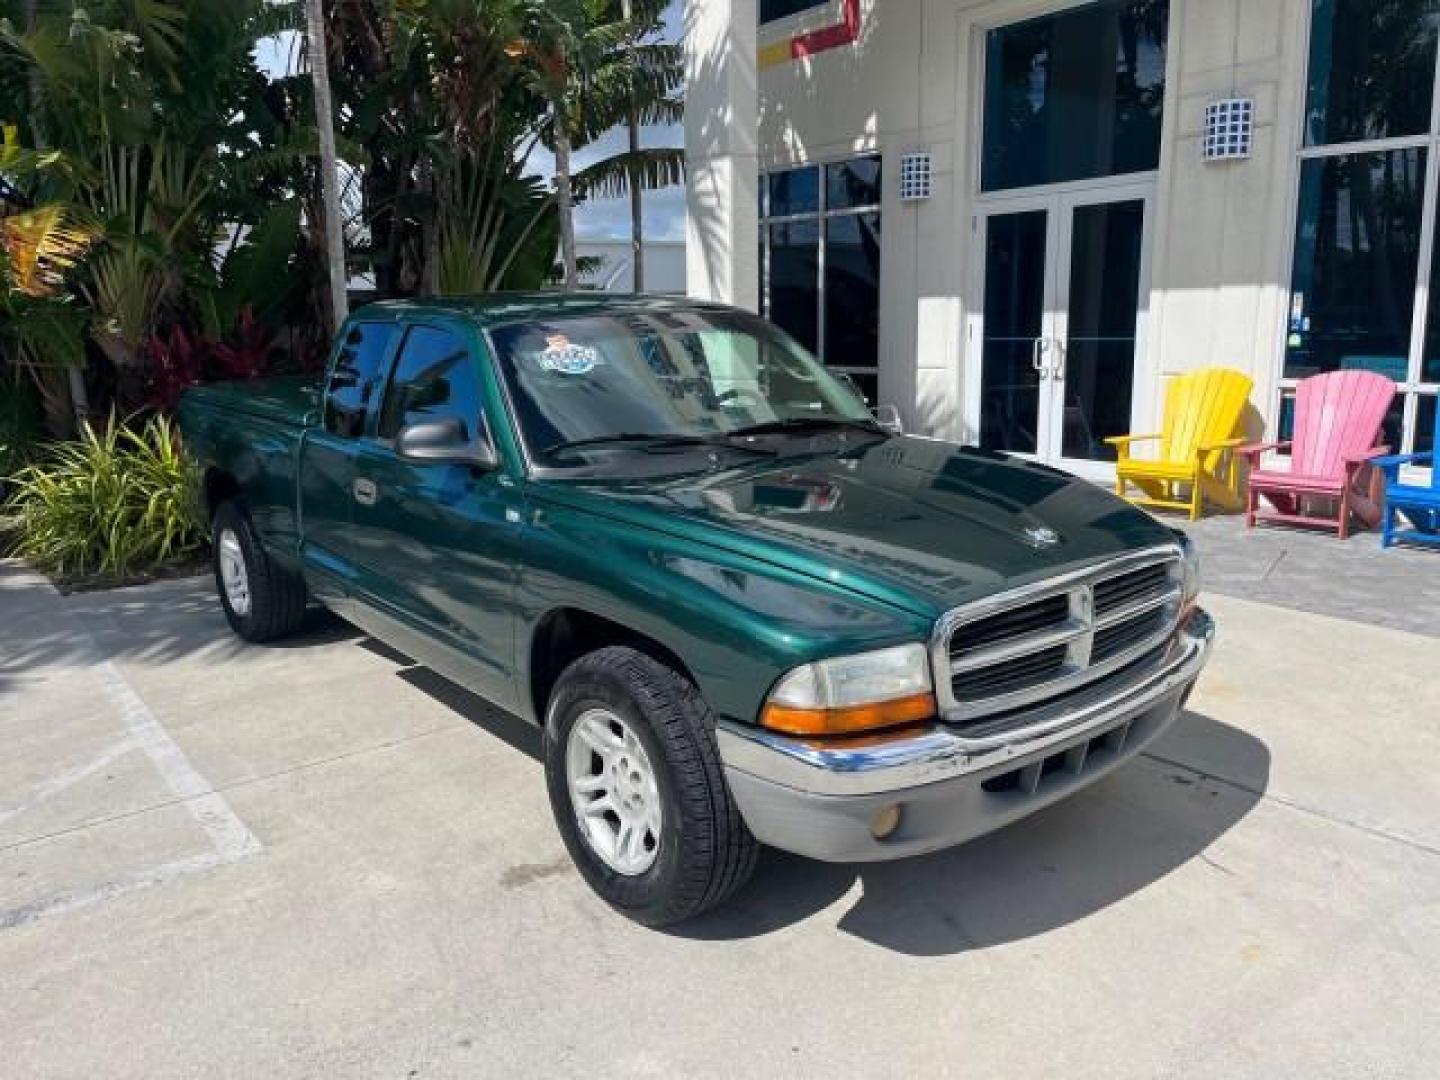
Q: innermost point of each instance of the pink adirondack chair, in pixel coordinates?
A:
(1337, 427)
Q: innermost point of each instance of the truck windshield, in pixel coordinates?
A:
(588, 388)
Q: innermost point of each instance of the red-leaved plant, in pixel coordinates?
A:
(182, 359)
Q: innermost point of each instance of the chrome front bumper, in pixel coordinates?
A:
(822, 801)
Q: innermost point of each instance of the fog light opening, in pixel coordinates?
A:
(886, 821)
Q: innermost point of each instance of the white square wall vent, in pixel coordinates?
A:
(1229, 129)
(915, 182)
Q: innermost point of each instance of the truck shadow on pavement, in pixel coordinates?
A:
(1149, 818)
(1075, 858)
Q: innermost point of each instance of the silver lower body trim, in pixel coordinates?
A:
(821, 801)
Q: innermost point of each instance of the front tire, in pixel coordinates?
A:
(262, 600)
(637, 789)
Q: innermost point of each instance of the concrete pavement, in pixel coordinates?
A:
(313, 860)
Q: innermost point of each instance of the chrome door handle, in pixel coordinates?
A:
(1038, 346)
(1057, 369)
(365, 491)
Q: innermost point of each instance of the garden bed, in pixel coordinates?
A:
(195, 565)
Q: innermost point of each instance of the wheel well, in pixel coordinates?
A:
(566, 634)
(220, 487)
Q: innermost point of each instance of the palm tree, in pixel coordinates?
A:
(558, 44)
(329, 163)
(655, 98)
(596, 70)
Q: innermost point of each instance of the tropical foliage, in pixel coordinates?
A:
(154, 176)
(161, 210)
(114, 501)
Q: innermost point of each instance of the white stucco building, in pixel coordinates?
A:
(1076, 247)
(614, 269)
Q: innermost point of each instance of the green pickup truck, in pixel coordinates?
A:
(740, 609)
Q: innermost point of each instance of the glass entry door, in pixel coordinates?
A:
(1061, 323)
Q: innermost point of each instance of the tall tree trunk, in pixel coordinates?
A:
(430, 231)
(329, 164)
(637, 196)
(74, 374)
(637, 210)
(565, 201)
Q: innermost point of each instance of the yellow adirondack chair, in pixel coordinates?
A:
(1196, 461)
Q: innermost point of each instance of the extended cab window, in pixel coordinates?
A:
(434, 379)
(352, 381)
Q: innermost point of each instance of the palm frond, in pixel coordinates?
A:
(648, 169)
(43, 245)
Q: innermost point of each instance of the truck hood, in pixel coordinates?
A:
(920, 524)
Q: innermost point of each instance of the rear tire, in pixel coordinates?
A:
(659, 766)
(262, 600)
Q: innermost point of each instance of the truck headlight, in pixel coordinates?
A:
(853, 694)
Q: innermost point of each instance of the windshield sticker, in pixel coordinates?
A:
(563, 356)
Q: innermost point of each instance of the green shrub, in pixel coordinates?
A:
(113, 502)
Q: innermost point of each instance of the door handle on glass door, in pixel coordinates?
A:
(365, 491)
(1057, 367)
(1037, 347)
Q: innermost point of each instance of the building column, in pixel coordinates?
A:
(721, 125)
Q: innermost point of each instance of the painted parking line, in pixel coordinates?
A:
(230, 839)
(66, 780)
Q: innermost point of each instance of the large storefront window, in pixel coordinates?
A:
(1357, 252)
(820, 263)
(1364, 254)
(1372, 70)
(1076, 95)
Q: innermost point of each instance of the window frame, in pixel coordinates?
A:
(821, 217)
(1413, 387)
(403, 328)
(382, 372)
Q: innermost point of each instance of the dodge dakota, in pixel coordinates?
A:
(740, 610)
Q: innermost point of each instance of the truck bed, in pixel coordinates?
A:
(252, 432)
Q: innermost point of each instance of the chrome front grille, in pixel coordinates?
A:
(1018, 649)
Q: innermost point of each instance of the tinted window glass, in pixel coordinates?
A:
(796, 191)
(795, 280)
(353, 379)
(1357, 248)
(434, 379)
(1075, 95)
(1430, 362)
(770, 10)
(1372, 69)
(1285, 427)
(1015, 255)
(1425, 426)
(1105, 254)
(852, 290)
(852, 183)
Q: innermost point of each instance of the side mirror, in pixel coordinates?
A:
(443, 442)
(888, 417)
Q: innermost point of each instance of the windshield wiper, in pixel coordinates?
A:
(657, 440)
(808, 423)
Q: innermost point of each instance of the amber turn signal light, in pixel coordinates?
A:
(849, 719)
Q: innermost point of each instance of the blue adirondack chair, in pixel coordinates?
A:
(1419, 505)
